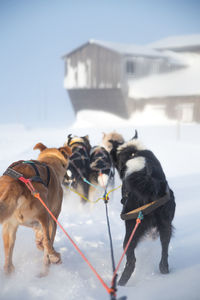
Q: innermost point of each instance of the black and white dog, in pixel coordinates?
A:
(143, 181)
(101, 169)
(79, 165)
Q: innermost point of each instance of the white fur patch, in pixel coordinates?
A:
(102, 180)
(135, 142)
(135, 165)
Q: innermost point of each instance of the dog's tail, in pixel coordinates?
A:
(103, 180)
(8, 202)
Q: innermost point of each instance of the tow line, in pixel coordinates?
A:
(110, 290)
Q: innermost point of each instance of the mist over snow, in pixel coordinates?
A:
(177, 148)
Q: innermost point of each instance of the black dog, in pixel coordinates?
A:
(79, 165)
(143, 181)
(101, 168)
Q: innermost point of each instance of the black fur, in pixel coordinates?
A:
(79, 165)
(139, 187)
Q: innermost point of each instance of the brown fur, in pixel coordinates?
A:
(114, 136)
(19, 207)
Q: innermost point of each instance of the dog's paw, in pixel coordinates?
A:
(9, 269)
(122, 282)
(164, 268)
(55, 258)
(128, 270)
(43, 273)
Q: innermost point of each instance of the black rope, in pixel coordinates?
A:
(110, 238)
(112, 295)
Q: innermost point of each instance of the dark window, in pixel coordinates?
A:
(129, 67)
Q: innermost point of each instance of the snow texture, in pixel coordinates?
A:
(180, 41)
(73, 280)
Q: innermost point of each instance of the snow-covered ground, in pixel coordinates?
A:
(87, 225)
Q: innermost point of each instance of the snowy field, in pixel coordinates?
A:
(87, 225)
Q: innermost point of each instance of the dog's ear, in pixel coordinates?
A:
(40, 147)
(103, 134)
(135, 136)
(68, 140)
(66, 151)
(86, 137)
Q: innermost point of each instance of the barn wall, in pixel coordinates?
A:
(108, 100)
(93, 66)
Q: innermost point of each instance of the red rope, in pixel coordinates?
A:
(37, 195)
(138, 221)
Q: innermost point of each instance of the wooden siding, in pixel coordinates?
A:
(92, 67)
(108, 100)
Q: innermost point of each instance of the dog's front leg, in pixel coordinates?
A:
(9, 236)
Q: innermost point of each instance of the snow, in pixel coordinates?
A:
(136, 50)
(183, 82)
(127, 49)
(173, 42)
(73, 279)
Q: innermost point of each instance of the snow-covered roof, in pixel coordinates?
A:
(124, 49)
(183, 82)
(128, 49)
(178, 42)
(182, 42)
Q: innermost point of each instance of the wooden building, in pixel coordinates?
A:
(102, 75)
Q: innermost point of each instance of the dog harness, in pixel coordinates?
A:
(147, 208)
(33, 163)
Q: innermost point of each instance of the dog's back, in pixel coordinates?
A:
(79, 164)
(143, 182)
(19, 207)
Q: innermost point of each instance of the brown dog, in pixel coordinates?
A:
(112, 136)
(19, 207)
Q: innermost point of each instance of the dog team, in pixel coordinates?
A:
(85, 168)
